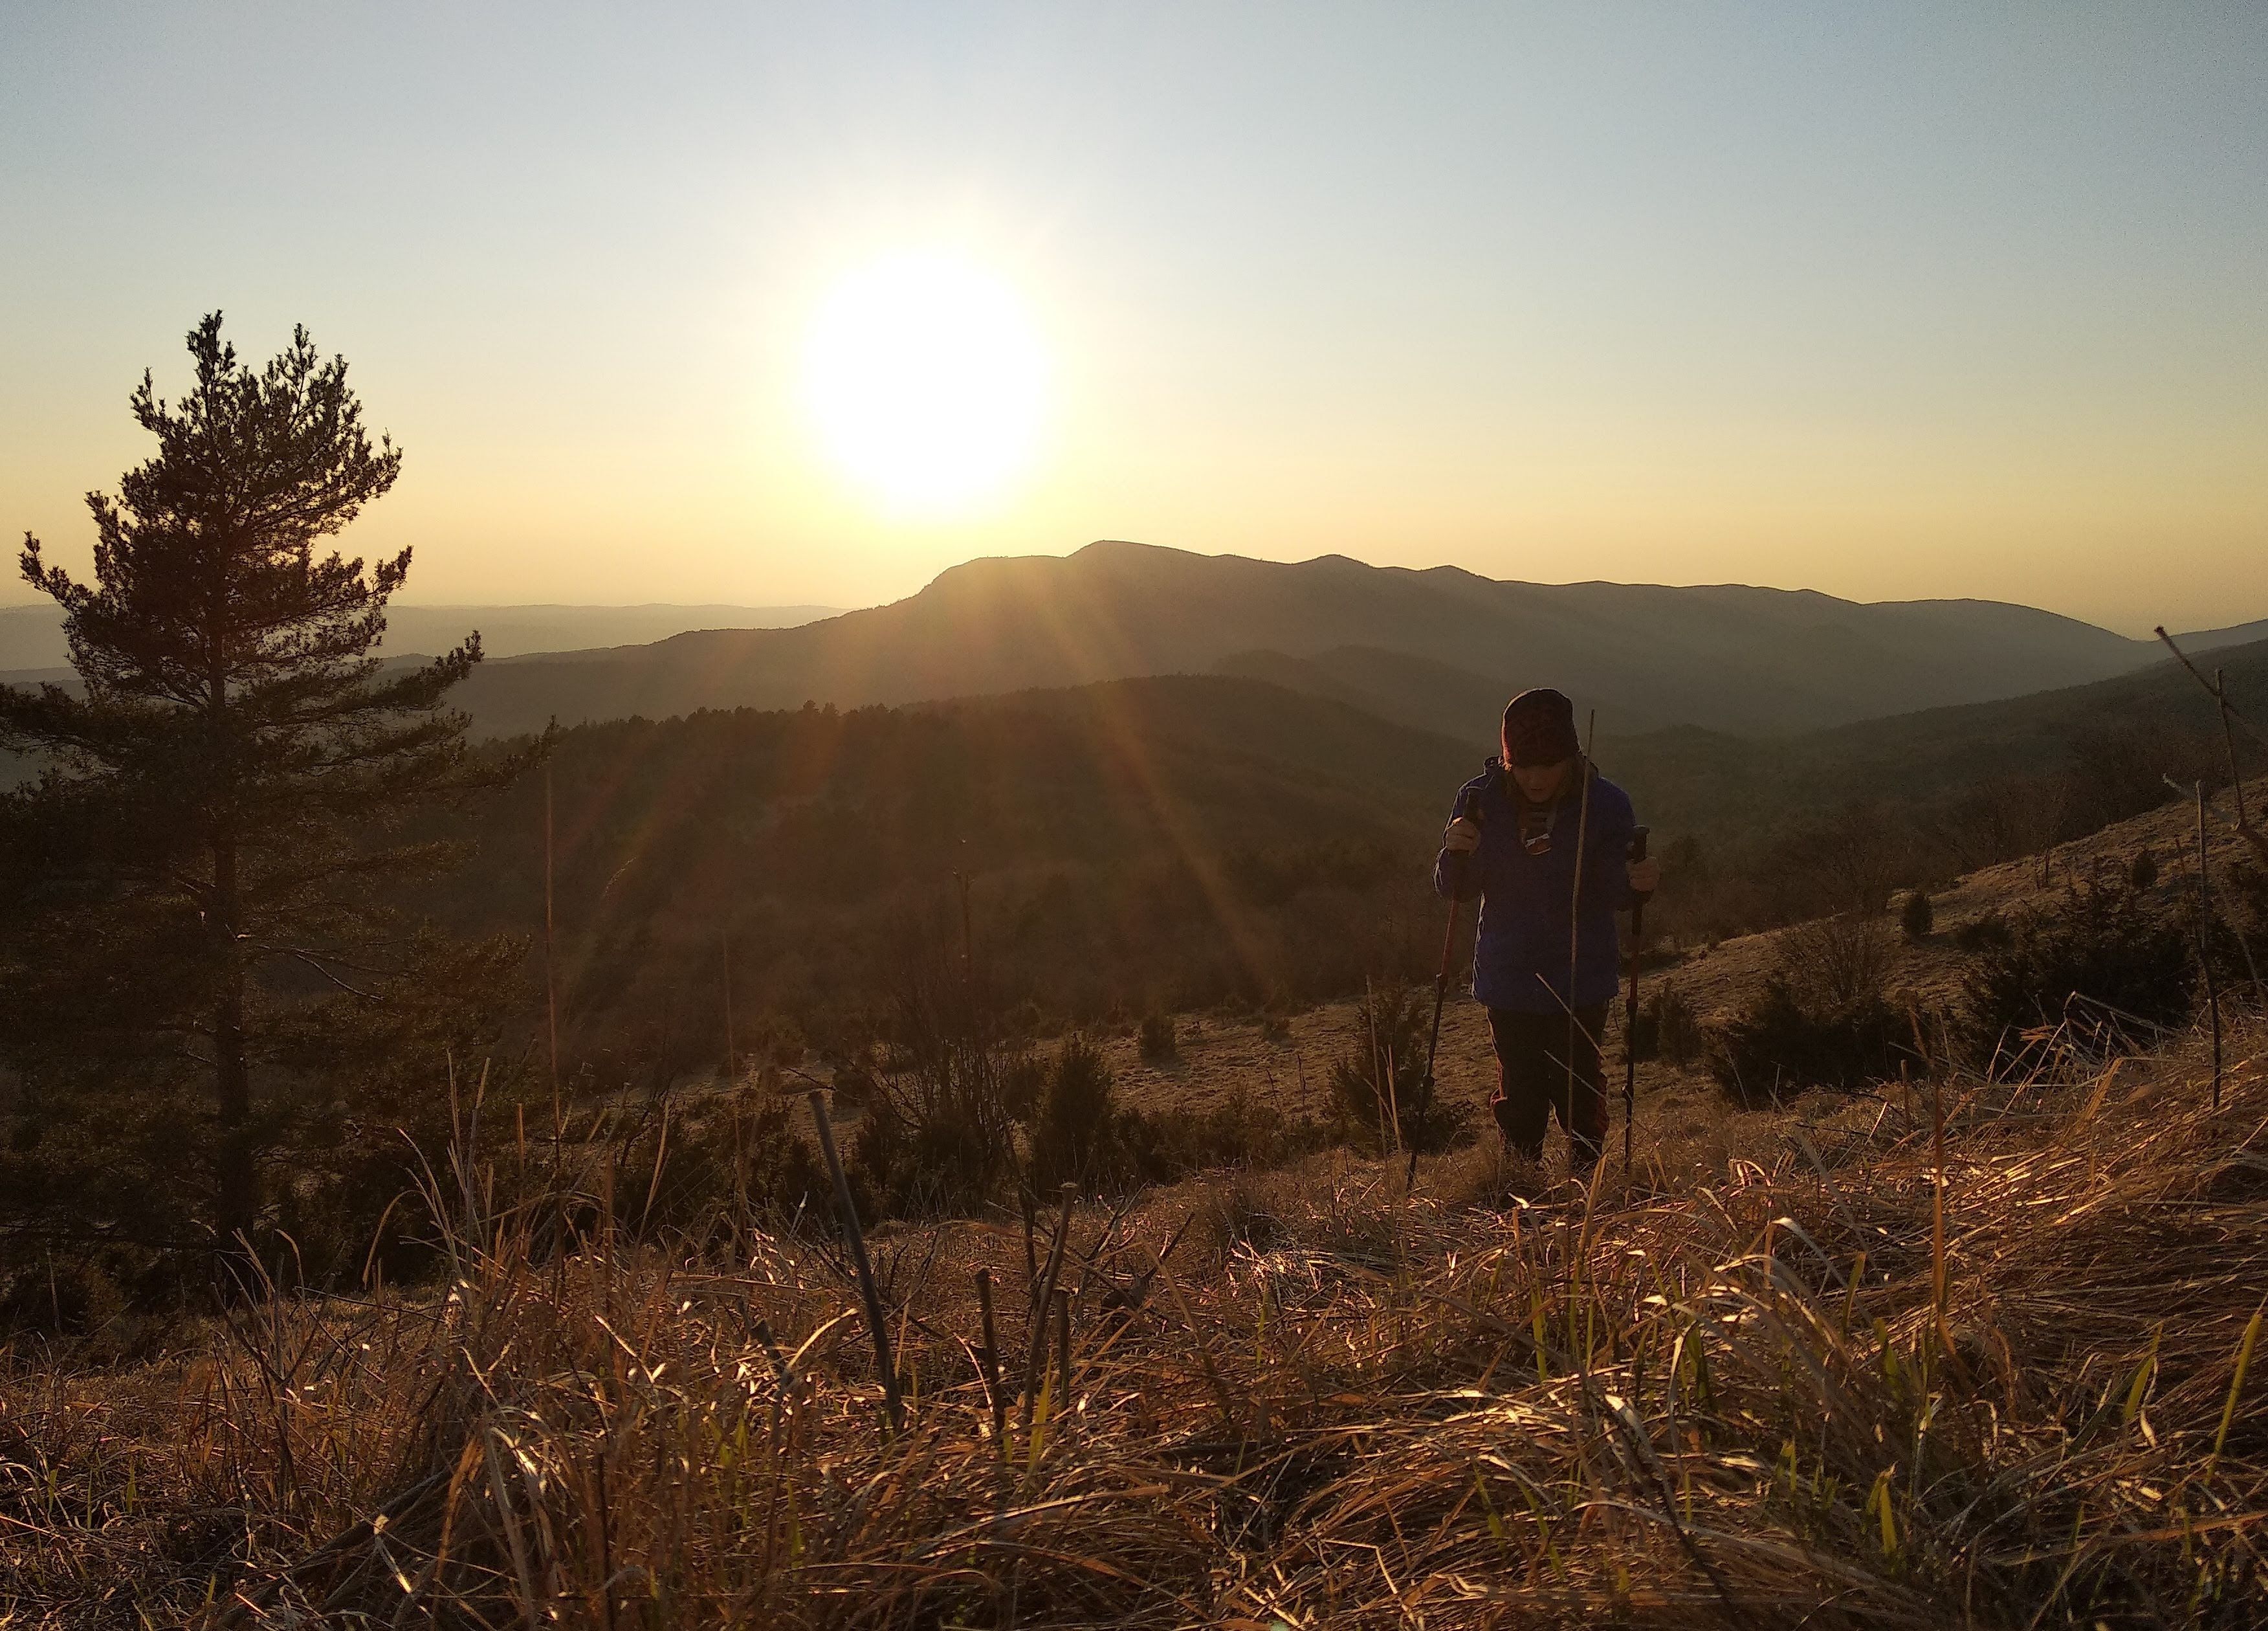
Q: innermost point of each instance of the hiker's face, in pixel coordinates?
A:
(1539, 784)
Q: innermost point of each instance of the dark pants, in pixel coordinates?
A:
(1533, 1080)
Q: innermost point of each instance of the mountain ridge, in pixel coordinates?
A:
(1758, 661)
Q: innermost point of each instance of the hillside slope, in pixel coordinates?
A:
(1726, 657)
(1173, 840)
(2135, 725)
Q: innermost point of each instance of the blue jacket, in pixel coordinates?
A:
(1520, 947)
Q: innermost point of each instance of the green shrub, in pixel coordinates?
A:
(1166, 1146)
(1384, 1078)
(1074, 1141)
(1668, 1028)
(939, 1136)
(1781, 1044)
(1822, 1019)
(2103, 960)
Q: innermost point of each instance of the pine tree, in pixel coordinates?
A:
(220, 809)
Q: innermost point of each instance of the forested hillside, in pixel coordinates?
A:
(1724, 657)
(1169, 842)
(1181, 842)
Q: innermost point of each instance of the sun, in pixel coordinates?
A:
(927, 382)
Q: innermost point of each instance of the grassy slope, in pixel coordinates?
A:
(1730, 1401)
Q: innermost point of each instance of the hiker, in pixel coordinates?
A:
(1513, 839)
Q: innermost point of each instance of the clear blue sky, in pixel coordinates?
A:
(1890, 301)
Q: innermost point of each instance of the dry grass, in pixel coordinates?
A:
(1756, 1391)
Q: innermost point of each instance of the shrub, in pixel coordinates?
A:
(1024, 1082)
(777, 1169)
(1385, 1078)
(928, 1168)
(940, 1134)
(1668, 1028)
(854, 1082)
(1918, 917)
(2105, 960)
(1836, 963)
(1166, 1146)
(58, 1299)
(1822, 1019)
(1784, 1043)
(774, 1039)
(1074, 1141)
(2143, 875)
(1158, 1039)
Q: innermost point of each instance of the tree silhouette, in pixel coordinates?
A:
(219, 806)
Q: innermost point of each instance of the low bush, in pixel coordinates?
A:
(939, 1133)
(1074, 1141)
(1824, 1019)
(1382, 1086)
(1917, 918)
(1158, 1039)
(1166, 1146)
(1668, 1028)
(2105, 960)
(1782, 1044)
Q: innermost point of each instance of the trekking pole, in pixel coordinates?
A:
(1575, 939)
(1630, 1009)
(1468, 808)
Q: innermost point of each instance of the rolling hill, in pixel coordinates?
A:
(1747, 661)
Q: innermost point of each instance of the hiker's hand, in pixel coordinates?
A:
(1464, 836)
(1644, 876)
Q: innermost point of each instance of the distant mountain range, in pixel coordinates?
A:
(1440, 648)
(31, 636)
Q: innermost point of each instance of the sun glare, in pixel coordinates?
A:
(927, 382)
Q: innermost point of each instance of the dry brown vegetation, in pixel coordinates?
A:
(1755, 1388)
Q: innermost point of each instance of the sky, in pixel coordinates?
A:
(1892, 302)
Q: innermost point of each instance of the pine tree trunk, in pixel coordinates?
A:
(238, 1182)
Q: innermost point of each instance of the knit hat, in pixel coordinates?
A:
(1539, 728)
